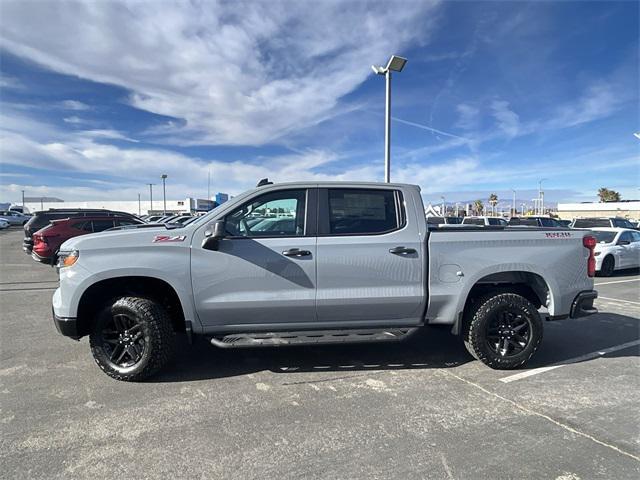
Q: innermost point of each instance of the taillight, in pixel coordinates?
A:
(590, 243)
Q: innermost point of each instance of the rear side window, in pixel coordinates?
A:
(84, 226)
(622, 223)
(473, 221)
(102, 225)
(435, 220)
(363, 212)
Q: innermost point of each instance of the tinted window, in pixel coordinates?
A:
(550, 222)
(591, 222)
(497, 221)
(625, 237)
(123, 222)
(635, 236)
(102, 225)
(85, 226)
(604, 237)
(473, 221)
(435, 220)
(622, 223)
(361, 212)
(454, 220)
(277, 214)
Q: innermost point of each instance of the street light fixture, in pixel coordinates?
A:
(164, 194)
(395, 64)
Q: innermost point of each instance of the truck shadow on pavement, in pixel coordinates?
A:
(430, 348)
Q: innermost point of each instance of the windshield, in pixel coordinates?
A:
(604, 237)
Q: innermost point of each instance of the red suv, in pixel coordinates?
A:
(47, 240)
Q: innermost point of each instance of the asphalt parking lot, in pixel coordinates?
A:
(420, 409)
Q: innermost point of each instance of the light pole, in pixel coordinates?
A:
(22, 201)
(395, 64)
(443, 211)
(139, 210)
(151, 197)
(540, 197)
(514, 203)
(164, 193)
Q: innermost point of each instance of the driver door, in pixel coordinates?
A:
(264, 271)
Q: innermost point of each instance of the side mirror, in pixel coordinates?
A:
(213, 234)
(623, 242)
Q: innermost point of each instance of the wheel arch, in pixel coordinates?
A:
(530, 285)
(95, 296)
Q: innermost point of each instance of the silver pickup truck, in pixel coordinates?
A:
(318, 263)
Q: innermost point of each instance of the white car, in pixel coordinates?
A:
(484, 221)
(4, 224)
(616, 249)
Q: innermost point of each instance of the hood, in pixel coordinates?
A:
(121, 238)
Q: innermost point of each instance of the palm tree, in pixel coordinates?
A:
(493, 200)
(478, 206)
(607, 195)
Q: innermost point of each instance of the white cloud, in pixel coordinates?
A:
(468, 116)
(74, 105)
(508, 121)
(230, 72)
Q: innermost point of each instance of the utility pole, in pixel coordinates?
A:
(164, 193)
(139, 210)
(22, 201)
(151, 197)
(443, 212)
(514, 203)
(540, 196)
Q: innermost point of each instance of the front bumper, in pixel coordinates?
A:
(582, 305)
(27, 246)
(66, 326)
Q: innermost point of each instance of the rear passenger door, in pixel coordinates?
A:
(369, 265)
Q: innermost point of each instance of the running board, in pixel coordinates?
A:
(308, 337)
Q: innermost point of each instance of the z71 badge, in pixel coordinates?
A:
(167, 238)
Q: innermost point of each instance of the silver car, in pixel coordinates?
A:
(14, 218)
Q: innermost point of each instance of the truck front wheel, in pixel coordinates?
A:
(502, 330)
(132, 338)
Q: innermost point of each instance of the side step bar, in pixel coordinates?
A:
(308, 337)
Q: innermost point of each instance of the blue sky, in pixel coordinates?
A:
(100, 98)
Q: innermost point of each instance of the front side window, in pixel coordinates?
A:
(622, 223)
(625, 237)
(363, 212)
(276, 214)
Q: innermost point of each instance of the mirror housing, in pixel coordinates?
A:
(624, 242)
(213, 234)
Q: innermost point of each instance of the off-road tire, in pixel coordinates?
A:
(158, 335)
(608, 266)
(478, 317)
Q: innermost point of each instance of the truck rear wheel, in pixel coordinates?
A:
(132, 338)
(503, 330)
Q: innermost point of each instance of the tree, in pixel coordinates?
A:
(478, 206)
(607, 195)
(493, 200)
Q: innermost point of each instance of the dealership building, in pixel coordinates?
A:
(141, 207)
(627, 209)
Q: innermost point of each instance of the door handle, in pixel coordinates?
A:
(402, 250)
(296, 252)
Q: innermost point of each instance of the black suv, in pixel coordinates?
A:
(42, 219)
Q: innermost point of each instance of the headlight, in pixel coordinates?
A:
(67, 259)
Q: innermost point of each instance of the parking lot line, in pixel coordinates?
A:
(586, 356)
(618, 300)
(619, 281)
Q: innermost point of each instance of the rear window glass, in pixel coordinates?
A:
(435, 220)
(604, 237)
(473, 221)
(361, 212)
(591, 222)
(102, 225)
(454, 220)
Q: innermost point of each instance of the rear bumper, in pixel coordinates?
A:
(38, 258)
(582, 305)
(66, 326)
